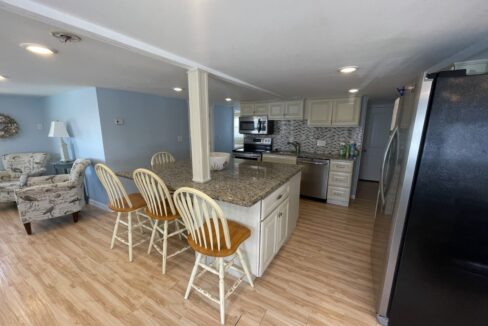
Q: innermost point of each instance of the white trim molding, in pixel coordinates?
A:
(98, 205)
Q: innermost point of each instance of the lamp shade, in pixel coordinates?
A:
(58, 129)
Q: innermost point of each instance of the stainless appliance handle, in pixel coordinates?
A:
(382, 175)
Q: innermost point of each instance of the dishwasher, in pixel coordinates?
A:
(315, 176)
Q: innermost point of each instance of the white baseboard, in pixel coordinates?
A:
(98, 204)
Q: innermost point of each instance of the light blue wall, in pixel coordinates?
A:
(79, 110)
(151, 124)
(223, 128)
(29, 114)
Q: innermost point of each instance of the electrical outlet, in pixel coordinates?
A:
(179, 139)
(321, 143)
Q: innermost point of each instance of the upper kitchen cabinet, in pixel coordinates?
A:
(276, 111)
(294, 110)
(261, 109)
(288, 110)
(291, 110)
(344, 112)
(254, 108)
(319, 113)
(247, 109)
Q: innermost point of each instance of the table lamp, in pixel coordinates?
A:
(58, 129)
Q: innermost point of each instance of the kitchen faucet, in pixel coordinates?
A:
(296, 145)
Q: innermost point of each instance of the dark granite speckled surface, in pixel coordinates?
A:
(242, 183)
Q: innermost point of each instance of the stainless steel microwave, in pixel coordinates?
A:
(255, 125)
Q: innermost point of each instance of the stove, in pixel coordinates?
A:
(253, 149)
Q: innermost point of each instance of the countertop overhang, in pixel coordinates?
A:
(242, 182)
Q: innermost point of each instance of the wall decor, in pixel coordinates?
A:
(8, 126)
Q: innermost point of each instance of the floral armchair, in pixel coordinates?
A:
(18, 167)
(52, 196)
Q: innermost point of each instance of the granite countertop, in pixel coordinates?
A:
(242, 183)
(320, 156)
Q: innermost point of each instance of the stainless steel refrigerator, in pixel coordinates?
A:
(430, 242)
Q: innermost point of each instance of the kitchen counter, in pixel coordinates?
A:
(242, 183)
(264, 197)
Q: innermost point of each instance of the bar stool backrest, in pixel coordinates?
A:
(117, 195)
(198, 209)
(155, 193)
(161, 158)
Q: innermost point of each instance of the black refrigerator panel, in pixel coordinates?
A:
(442, 276)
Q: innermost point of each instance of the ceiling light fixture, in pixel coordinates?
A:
(177, 89)
(3, 78)
(228, 99)
(353, 90)
(38, 49)
(348, 69)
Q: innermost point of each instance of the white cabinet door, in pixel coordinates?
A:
(346, 112)
(247, 109)
(267, 241)
(294, 110)
(319, 112)
(281, 224)
(261, 109)
(276, 111)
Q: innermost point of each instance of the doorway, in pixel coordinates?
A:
(378, 121)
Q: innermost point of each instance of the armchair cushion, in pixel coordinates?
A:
(31, 164)
(51, 196)
(7, 190)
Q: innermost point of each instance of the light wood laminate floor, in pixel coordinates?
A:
(65, 274)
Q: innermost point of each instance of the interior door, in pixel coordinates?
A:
(378, 121)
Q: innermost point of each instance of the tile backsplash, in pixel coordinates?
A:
(298, 130)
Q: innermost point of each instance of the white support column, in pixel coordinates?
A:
(199, 124)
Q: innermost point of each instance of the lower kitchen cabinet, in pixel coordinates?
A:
(272, 220)
(274, 229)
(268, 240)
(281, 225)
(340, 178)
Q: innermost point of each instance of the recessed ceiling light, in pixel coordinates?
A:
(38, 49)
(228, 99)
(410, 87)
(348, 69)
(353, 90)
(2, 78)
(177, 89)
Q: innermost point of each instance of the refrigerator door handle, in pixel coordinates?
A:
(385, 157)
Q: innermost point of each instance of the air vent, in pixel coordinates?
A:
(65, 37)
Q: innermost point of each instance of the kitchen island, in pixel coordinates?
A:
(263, 196)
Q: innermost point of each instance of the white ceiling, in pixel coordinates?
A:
(287, 47)
(89, 63)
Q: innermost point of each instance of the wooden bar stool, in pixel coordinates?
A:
(122, 203)
(211, 234)
(160, 208)
(161, 158)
